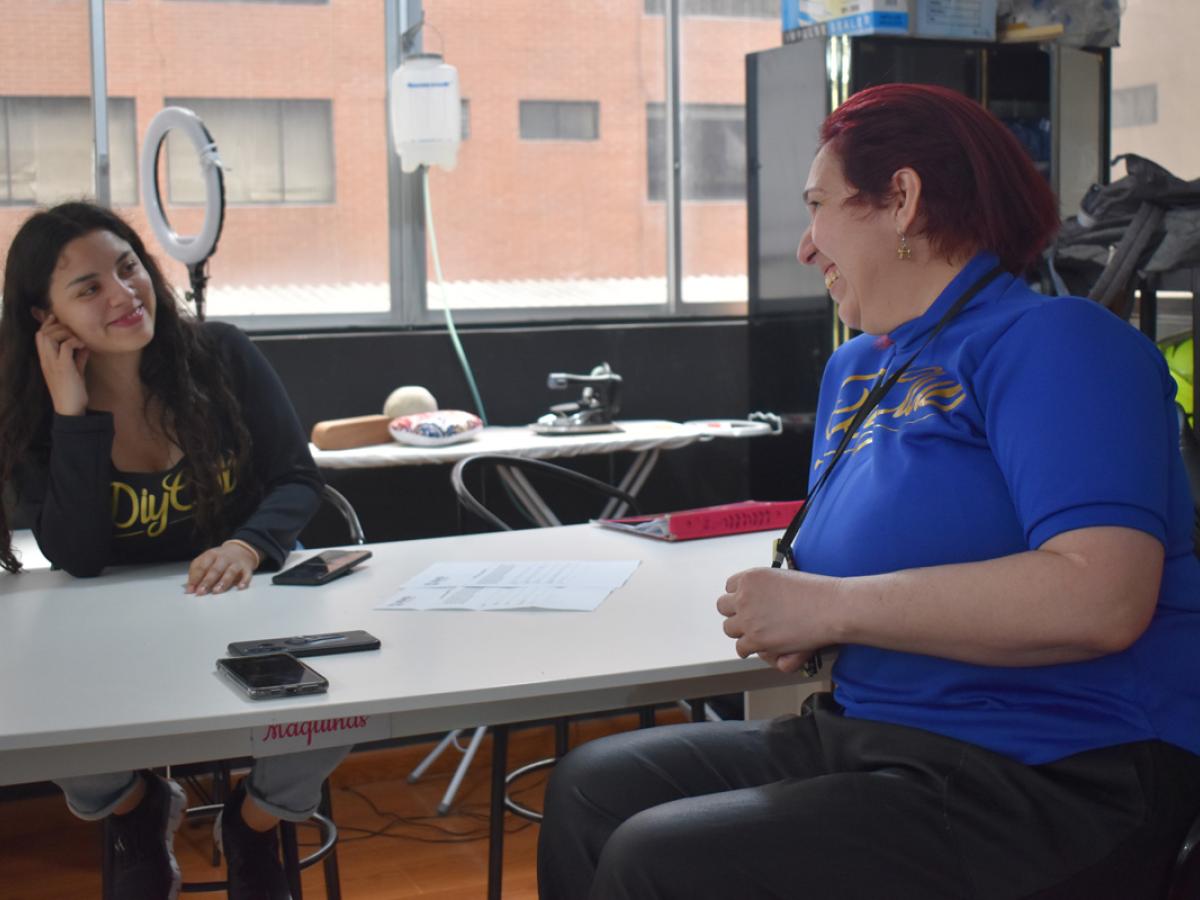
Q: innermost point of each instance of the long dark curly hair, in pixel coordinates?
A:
(180, 368)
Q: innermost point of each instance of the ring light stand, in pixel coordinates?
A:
(192, 251)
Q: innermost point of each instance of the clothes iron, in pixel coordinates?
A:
(592, 413)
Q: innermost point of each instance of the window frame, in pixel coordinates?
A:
(558, 107)
(658, 7)
(409, 306)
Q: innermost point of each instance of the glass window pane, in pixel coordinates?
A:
(307, 152)
(714, 150)
(48, 154)
(294, 96)
(249, 140)
(713, 144)
(29, 71)
(656, 151)
(748, 9)
(537, 120)
(558, 120)
(547, 204)
(123, 151)
(579, 121)
(22, 152)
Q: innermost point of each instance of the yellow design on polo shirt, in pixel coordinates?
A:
(929, 391)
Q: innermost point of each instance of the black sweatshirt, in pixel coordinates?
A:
(87, 515)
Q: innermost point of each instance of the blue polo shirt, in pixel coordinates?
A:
(1026, 417)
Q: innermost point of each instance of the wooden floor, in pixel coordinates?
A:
(393, 846)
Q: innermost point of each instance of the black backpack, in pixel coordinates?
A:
(1147, 222)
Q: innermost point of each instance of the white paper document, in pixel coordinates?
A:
(548, 584)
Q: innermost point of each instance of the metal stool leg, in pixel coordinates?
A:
(291, 858)
(333, 883)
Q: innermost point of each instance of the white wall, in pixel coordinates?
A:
(1158, 52)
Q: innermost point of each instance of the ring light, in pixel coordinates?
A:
(194, 250)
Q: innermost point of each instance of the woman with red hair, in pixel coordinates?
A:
(997, 539)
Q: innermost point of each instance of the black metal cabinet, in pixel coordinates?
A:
(1054, 98)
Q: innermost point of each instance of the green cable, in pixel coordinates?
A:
(437, 268)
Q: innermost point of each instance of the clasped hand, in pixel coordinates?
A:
(775, 613)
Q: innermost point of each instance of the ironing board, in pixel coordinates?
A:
(643, 437)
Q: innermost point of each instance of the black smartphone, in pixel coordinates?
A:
(308, 644)
(322, 568)
(273, 675)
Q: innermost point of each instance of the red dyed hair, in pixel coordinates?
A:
(979, 188)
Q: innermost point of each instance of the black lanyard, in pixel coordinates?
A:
(783, 548)
(783, 551)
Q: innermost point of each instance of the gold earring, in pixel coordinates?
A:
(903, 251)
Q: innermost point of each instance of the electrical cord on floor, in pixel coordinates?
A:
(434, 823)
(430, 822)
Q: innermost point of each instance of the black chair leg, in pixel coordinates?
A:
(562, 737)
(646, 717)
(496, 819)
(697, 707)
(221, 789)
(291, 859)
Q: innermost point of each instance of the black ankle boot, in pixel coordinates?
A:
(143, 860)
(252, 863)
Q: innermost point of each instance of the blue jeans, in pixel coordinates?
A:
(286, 786)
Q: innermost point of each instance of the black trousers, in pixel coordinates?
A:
(819, 806)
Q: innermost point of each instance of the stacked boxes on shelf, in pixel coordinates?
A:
(948, 19)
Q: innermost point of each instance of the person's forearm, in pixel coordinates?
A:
(73, 521)
(273, 527)
(1036, 608)
(281, 461)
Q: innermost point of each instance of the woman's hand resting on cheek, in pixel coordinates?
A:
(221, 568)
(63, 358)
(777, 613)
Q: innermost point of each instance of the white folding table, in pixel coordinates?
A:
(117, 672)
